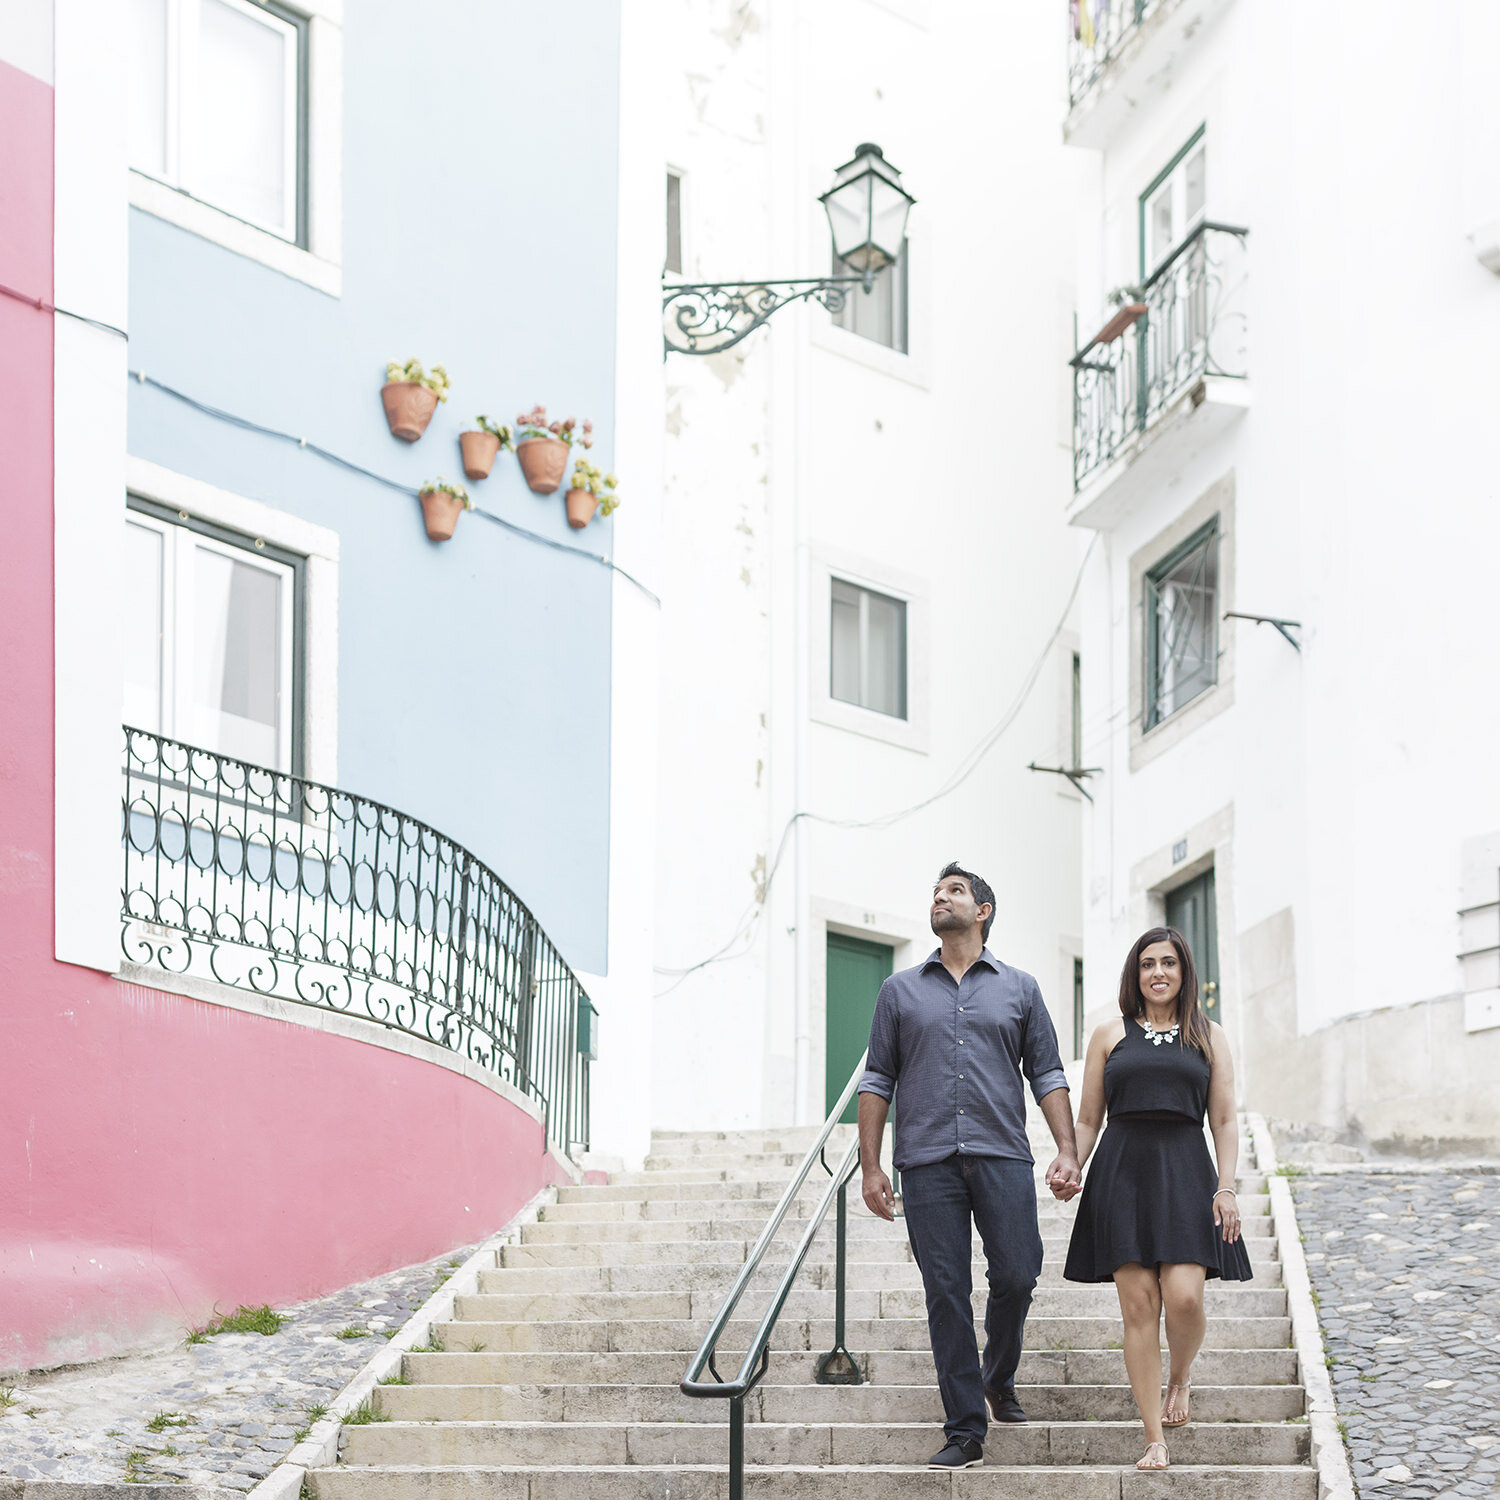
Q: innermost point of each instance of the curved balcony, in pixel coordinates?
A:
(263, 881)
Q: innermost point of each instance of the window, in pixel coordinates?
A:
(879, 314)
(1182, 626)
(1173, 205)
(1077, 1005)
(1075, 715)
(211, 637)
(218, 106)
(674, 223)
(867, 641)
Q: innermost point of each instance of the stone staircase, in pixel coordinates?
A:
(559, 1378)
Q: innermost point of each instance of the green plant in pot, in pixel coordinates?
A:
(590, 489)
(481, 445)
(441, 504)
(410, 395)
(542, 447)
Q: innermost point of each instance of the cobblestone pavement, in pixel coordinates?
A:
(233, 1404)
(1408, 1284)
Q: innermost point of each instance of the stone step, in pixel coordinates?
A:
(757, 1210)
(546, 1332)
(1044, 1404)
(499, 1442)
(907, 1302)
(817, 1275)
(773, 1154)
(1082, 1367)
(1094, 1480)
(687, 1174)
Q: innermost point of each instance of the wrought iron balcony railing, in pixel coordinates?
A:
(1097, 30)
(271, 883)
(1186, 322)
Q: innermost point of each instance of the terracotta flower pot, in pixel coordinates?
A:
(440, 511)
(409, 406)
(479, 450)
(543, 461)
(581, 507)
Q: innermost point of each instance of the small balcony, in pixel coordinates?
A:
(1164, 375)
(247, 877)
(1122, 54)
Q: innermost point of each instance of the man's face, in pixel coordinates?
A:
(954, 908)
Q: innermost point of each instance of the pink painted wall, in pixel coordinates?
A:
(160, 1156)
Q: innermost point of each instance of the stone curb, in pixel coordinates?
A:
(321, 1446)
(1335, 1479)
(1397, 1169)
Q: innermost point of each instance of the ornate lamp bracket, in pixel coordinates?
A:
(707, 317)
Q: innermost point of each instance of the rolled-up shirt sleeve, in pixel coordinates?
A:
(1040, 1060)
(884, 1060)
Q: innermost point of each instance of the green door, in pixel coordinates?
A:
(1191, 910)
(856, 970)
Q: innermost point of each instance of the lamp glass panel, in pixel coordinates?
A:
(147, 121)
(890, 208)
(245, 118)
(849, 220)
(1195, 185)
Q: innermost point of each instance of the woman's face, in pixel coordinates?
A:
(1161, 972)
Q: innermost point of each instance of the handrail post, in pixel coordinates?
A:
(838, 1366)
(737, 1448)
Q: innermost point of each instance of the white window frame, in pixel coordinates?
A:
(686, 272)
(319, 265)
(180, 543)
(912, 732)
(319, 545)
(893, 281)
(1173, 181)
(865, 594)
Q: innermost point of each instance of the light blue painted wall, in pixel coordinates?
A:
(480, 150)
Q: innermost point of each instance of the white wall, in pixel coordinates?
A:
(1364, 506)
(944, 473)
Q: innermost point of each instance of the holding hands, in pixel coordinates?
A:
(1065, 1177)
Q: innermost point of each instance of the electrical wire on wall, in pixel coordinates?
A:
(743, 937)
(41, 304)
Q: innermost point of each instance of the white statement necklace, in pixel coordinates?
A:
(1158, 1038)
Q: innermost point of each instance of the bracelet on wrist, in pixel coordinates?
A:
(1231, 1193)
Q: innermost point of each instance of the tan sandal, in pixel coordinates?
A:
(1147, 1462)
(1168, 1406)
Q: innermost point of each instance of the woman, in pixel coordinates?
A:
(1154, 1218)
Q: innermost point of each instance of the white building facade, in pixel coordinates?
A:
(866, 569)
(1284, 411)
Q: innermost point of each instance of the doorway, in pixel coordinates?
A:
(856, 970)
(1192, 911)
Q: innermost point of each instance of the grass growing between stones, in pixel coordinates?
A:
(262, 1320)
(352, 1331)
(399, 1378)
(165, 1419)
(363, 1414)
(434, 1344)
(8, 1397)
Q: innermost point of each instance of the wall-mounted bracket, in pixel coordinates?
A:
(1286, 627)
(1076, 774)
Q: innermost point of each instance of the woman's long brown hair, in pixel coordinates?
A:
(1193, 1024)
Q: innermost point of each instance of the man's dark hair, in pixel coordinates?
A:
(979, 886)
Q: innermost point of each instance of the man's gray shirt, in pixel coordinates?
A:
(955, 1053)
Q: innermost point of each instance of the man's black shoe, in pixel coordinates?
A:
(1003, 1405)
(961, 1453)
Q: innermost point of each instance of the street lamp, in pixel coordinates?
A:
(866, 208)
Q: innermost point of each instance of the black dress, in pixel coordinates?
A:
(1149, 1193)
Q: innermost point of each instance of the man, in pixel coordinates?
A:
(951, 1039)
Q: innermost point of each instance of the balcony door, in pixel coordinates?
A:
(1191, 910)
(210, 637)
(856, 970)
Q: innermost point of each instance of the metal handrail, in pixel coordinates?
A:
(758, 1357)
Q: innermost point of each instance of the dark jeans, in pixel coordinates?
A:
(1000, 1196)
